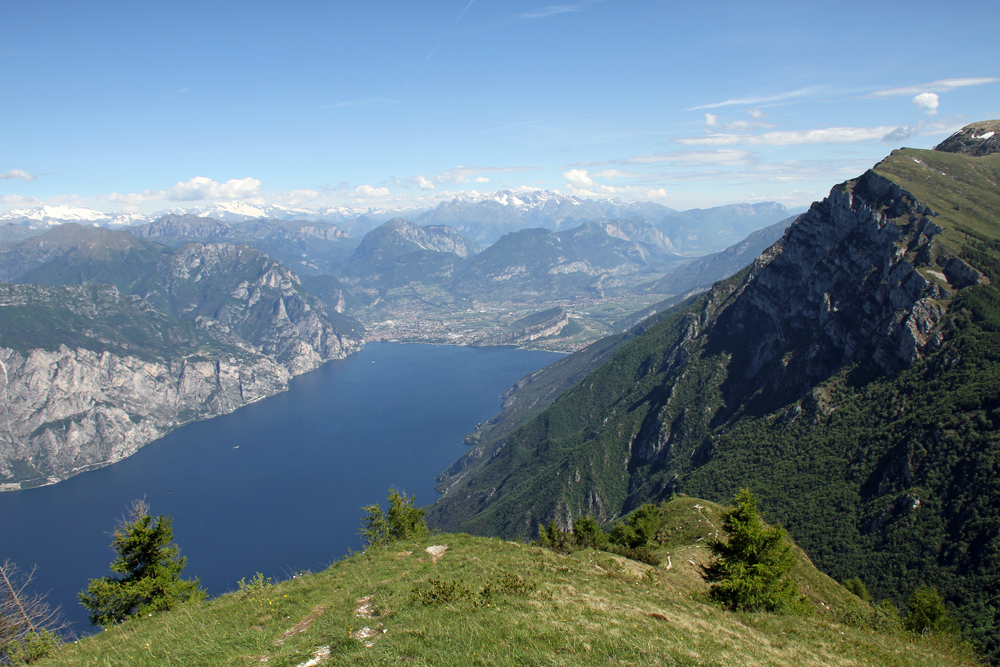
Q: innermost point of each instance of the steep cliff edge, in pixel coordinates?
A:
(90, 375)
(849, 376)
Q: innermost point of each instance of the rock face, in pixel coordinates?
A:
(69, 410)
(839, 288)
(254, 297)
(399, 252)
(538, 264)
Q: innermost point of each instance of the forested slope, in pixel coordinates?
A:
(851, 377)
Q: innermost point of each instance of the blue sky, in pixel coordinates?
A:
(140, 106)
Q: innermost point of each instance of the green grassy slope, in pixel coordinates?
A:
(403, 604)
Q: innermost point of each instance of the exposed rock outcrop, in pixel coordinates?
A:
(531, 328)
(69, 410)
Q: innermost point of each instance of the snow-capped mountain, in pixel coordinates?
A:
(50, 216)
(486, 217)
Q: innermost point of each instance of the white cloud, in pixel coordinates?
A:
(751, 101)
(927, 102)
(369, 191)
(297, 197)
(829, 135)
(578, 178)
(461, 175)
(201, 188)
(756, 121)
(613, 173)
(552, 10)
(17, 173)
(939, 86)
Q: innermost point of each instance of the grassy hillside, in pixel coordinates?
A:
(452, 599)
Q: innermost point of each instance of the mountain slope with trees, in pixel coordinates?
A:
(850, 374)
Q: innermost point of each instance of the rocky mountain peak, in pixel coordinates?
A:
(976, 139)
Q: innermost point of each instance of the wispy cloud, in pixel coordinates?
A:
(552, 10)
(762, 99)
(829, 135)
(359, 103)
(438, 45)
(504, 127)
(17, 174)
(17, 199)
(684, 158)
(939, 86)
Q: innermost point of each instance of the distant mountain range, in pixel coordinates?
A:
(485, 218)
(482, 218)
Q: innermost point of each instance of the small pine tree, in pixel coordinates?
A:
(750, 568)
(402, 521)
(149, 567)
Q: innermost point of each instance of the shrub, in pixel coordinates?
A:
(858, 587)
(402, 521)
(926, 613)
(29, 628)
(256, 587)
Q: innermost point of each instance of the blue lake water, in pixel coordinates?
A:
(275, 487)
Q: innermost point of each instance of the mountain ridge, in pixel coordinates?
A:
(801, 376)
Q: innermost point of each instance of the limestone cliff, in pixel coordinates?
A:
(68, 410)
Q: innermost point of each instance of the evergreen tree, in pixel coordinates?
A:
(750, 568)
(148, 566)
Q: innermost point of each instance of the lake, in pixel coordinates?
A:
(275, 487)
